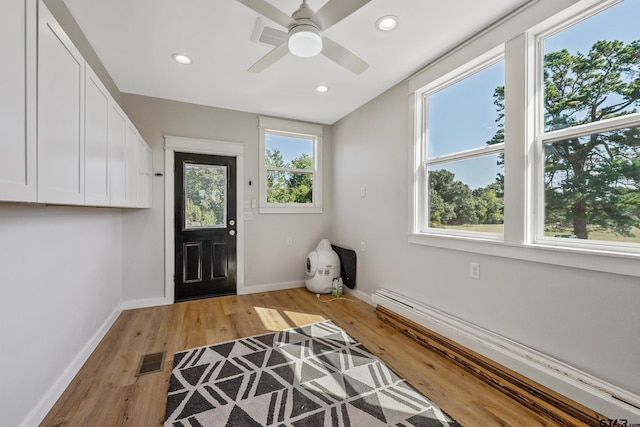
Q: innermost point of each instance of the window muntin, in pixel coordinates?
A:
(290, 167)
(464, 156)
(589, 145)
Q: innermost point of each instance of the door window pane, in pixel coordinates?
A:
(205, 193)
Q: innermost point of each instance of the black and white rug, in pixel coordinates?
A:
(313, 375)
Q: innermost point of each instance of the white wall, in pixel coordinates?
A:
(269, 262)
(584, 318)
(60, 277)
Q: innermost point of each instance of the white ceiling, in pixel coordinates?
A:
(136, 38)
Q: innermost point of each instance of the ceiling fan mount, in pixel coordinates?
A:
(305, 27)
(303, 12)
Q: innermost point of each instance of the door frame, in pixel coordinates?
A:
(199, 146)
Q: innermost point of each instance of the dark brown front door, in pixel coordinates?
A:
(205, 227)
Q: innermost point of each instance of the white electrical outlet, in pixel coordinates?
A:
(363, 192)
(289, 241)
(474, 270)
(248, 216)
(363, 246)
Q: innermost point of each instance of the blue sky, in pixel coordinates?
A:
(290, 147)
(463, 116)
(620, 21)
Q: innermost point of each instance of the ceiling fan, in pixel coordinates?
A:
(305, 28)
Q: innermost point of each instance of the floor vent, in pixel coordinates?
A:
(150, 363)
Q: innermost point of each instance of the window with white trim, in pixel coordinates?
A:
(290, 166)
(588, 131)
(462, 165)
(569, 148)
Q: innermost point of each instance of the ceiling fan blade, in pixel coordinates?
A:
(270, 58)
(268, 11)
(335, 11)
(343, 56)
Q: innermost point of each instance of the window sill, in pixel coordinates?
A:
(588, 259)
(290, 210)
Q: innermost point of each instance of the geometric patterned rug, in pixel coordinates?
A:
(313, 375)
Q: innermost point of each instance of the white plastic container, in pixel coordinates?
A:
(323, 265)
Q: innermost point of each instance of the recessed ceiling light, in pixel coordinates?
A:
(322, 88)
(387, 23)
(181, 58)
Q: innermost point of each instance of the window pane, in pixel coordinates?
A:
(592, 186)
(590, 68)
(467, 194)
(284, 151)
(289, 187)
(205, 196)
(467, 114)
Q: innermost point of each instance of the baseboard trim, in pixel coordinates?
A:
(562, 393)
(270, 287)
(144, 303)
(52, 395)
(361, 295)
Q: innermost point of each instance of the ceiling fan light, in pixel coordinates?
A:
(305, 41)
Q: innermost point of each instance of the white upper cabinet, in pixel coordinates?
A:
(63, 139)
(17, 101)
(117, 154)
(131, 144)
(60, 115)
(96, 141)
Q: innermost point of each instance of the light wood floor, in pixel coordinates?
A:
(106, 392)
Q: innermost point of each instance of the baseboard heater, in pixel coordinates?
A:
(554, 406)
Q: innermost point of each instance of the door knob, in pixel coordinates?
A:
(232, 222)
(232, 232)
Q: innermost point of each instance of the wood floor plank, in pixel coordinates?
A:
(106, 391)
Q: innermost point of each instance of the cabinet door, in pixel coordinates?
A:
(148, 177)
(96, 143)
(144, 174)
(131, 142)
(60, 115)
(17, 101)
(117, 155)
